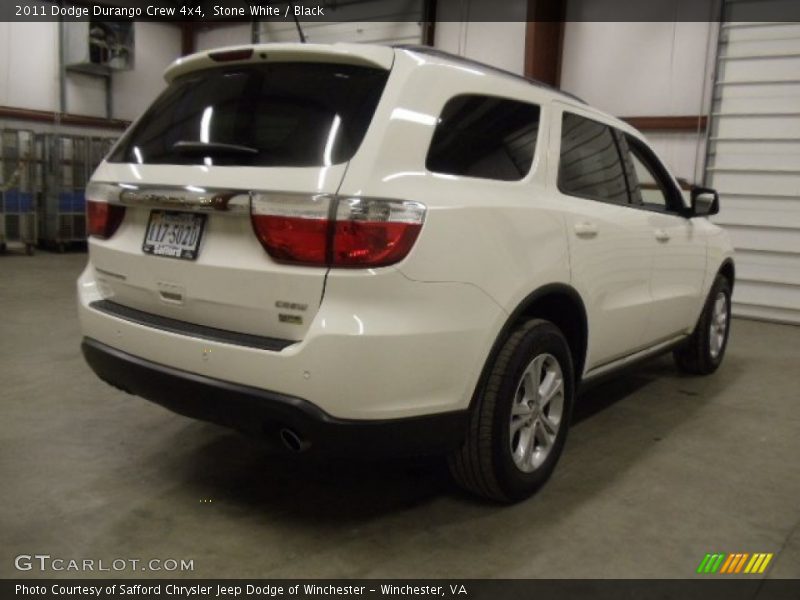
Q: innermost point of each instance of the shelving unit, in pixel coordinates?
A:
(69, 161)
(66, 171)
(95, 48)
(20, 188)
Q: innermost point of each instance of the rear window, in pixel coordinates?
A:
(486, 137)
(276, 114)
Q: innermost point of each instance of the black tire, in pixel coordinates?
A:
(696, 357)
(484, 465)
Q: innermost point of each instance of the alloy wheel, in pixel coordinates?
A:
(719, 325)
(536, 412)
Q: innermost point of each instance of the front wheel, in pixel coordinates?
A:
(704, 350)
(519, 423)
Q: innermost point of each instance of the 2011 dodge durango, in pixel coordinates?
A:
(365, 250)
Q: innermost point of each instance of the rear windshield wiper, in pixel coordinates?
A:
(184, 147)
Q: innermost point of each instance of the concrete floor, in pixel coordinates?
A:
(659, 469)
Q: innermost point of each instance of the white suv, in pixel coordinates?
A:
(359, 250)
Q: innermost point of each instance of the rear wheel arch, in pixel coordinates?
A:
(558, 303)
(519, 425)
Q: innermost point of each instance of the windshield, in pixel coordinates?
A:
(275, 114)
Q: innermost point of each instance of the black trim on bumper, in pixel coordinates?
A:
(191, 329)
(266, 413)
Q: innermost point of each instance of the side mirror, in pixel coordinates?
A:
(705, 202)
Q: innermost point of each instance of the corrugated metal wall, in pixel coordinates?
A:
(390, 22)
(754, 162)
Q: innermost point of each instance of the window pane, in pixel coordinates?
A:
(645, 186)
(590, 166)
(483, 136)
(634, 190)
(289, 114)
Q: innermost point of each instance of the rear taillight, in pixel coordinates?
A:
(365, 232)
(374, 233)
(102, 218)
(292, 228)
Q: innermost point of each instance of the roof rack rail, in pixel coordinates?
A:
(468, 61)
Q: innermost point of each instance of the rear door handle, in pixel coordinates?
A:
(586, 229)
(662, 235)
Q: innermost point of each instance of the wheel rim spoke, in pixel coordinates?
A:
(521, 409)
(517, 424)
(718, 327)
(532, 377)
(525, 446)
(549, 388)
(550, 426)
(543, 436)
(536, 412)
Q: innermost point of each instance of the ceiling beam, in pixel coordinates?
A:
(46, 116)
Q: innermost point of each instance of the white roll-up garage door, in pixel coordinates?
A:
(754, 162)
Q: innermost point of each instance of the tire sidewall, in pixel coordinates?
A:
(541, 339)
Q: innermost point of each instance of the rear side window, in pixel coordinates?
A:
(275, 114)
(590, 165)
(486, 137)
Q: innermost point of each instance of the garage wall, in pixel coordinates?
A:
(646, 69)
(25, 49)
(225, 35)
(32, 48)
(157, 45)
(386, 22)
(499, 42)
(754, 162)
(380, 22)
(367, 32)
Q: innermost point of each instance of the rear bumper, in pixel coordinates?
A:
(380, 347)
(267, 413)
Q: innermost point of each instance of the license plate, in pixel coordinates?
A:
(174, 234)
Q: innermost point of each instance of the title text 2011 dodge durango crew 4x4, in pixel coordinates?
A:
(361, 249)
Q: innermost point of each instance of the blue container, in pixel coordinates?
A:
(79, 202)
(12, 201)
(26, 202)
(65, 202)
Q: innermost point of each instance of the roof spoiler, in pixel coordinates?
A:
(380, 57)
